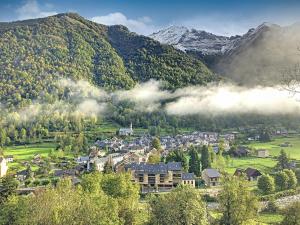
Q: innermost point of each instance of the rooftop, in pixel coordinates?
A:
(188, 176)
(212, 173)
(160, 168)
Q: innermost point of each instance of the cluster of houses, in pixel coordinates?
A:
(120, 152)
(132, 156)
(168, 143)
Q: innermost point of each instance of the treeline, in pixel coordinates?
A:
(125, 112)
(114, 199)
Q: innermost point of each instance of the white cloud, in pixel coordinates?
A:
(140, 25)
(31, 9)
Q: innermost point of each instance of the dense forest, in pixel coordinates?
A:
(34, 53)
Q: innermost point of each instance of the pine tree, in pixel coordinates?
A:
(283, 161)
(194, 162)
(205, 158)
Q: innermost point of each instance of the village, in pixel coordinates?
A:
(125, 153)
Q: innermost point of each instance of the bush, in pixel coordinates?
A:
(297, 173)
(280, 194)
(36, 182)
(292, 215)
(45, 182)
(271, 206)
(27, 183)
(266, 184)
(54, 181)
(292, 181)
(208, 198)
(281, 181)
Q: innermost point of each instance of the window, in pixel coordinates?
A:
(151, 178)
(162, 178)
(141, 177)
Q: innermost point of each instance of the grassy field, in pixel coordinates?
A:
(270, 218)
(274, 146)
(262, 164)
(26, 152)
(263, 218)
(266, 164)
(23, 153)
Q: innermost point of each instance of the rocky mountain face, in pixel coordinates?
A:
(194, 40)
(258, 57)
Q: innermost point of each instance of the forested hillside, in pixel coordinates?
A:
(34, 53)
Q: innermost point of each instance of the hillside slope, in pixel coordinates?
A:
(34, 53)
(258, 57)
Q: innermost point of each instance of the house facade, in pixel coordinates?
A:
(159, 177)
(262, 153)
(251, 174)
(3, 167)
(211, 177)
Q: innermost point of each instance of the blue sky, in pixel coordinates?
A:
(146, 16)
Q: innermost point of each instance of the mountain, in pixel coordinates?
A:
(34, 53)
(257, 57)
(194, 40)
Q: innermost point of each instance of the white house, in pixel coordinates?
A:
(262, 153)
(115, 158)
(3, 167)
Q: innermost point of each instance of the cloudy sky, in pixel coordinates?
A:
(228, 17)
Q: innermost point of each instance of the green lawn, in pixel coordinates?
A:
(266, 164)
(274, 146)
(262, 164)
(26, 152)
(270, 218)
(263, 218)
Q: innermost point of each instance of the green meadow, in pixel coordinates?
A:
(26, 152)
(274, 146)
(262, 164)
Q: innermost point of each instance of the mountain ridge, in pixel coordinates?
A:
(37, 51)
(257, 57)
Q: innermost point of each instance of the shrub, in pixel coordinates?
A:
(36, 182)
(27, 183)
(266, 184)
(280, 194)
(292, 181)
(281, 181)
(45, 182)
(271, 206)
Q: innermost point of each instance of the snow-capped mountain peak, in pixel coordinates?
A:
(193, 40)
(170, 35)
(207, 43)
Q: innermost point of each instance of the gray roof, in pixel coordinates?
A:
(160, 168)
(174, 166)
(188, 176)
(212, 173)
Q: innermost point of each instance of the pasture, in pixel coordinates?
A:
(26, 152)
(274, 147)
(262, 164)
